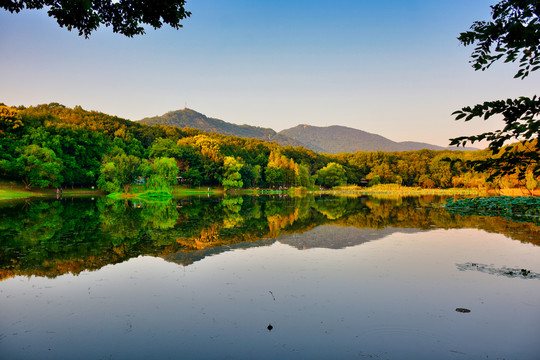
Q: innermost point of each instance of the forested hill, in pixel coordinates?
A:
(53, 145)
(330, 140)
(340, 139)
(192, 119)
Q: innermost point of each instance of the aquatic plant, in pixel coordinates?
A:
(522, 209)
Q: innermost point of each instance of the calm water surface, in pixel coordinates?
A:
(265, 278)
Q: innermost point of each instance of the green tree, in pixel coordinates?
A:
(513, 34)
(375, 180)
(166, 168)
(249, 175)
(231, 173)
(125, 16)
(192, 176)
(118, 172)
(303, 176)
(443, 169)
(165, 147)
(281, 170)
(273, 175)
(163, 172)
(108, 180)
(79, 149)
(332, 175)
(39, 167)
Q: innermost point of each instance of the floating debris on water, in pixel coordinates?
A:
(500, 271)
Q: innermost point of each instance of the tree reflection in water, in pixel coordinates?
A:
(50, 238)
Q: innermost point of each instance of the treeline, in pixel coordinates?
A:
(52, 145)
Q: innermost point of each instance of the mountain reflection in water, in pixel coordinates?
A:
(278, 278)
(50, 238)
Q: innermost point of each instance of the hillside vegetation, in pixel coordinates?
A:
(52, 145)
(192, 119)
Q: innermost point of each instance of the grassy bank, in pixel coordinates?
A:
(12, 190)
(140, 192)
(394, 189)
(514, 192)
(181, 190)
(12, 194)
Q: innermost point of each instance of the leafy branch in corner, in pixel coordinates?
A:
(125, 16)
(521, 117)
(513, 34)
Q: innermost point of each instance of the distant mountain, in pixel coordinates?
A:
(331, 139)
(337, 139)
(192, 119)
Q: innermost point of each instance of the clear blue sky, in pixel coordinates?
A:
(389, 67)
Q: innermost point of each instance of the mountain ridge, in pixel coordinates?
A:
(337, 139)
(193, 119)
(330, 139)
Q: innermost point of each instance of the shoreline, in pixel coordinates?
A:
(13, 191)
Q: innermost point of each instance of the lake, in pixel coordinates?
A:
(268, 277)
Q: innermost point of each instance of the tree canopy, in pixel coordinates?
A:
(512, 35)
(332, 175)
(125, 16)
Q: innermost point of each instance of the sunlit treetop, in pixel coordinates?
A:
(126, 17)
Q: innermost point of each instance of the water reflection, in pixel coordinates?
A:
(49, 238)
(302, 278)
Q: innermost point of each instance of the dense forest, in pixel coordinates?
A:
(52, 145)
